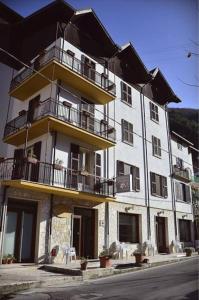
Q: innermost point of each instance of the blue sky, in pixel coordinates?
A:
(162, 31)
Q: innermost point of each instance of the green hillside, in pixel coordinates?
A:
(185, 121)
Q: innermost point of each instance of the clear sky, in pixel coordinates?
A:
(162, 31)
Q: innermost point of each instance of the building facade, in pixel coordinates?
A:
(89, 160)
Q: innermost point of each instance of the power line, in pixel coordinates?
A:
(82, 100)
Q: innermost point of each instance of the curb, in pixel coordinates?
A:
(80, 276)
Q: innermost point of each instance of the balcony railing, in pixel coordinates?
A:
(55, 175)
(71, 62)
(181, 173)
(70, 115)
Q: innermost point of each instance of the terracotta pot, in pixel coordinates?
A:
(10, 260)
(58, 167)
(105, 262)
(4, 261)
(84, 265)
(139, 258)
(188, 253)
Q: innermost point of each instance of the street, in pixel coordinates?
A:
(177, 281)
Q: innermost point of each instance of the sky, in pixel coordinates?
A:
(162, 31)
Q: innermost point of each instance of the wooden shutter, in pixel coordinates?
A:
(120, 168)
(35, 167)
(122, 90)
(153, 183)
(18, 164)
(150, 107)
(159, 190)
(187, 194)
(37, 150)
(159, 147)
(154, 145)
(136, 178)
(164, 187)
(33, 104)
(178, 191)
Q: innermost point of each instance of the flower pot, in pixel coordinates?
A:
(188, 253)
(58, 167)
(83, 265)
(10, 260)
(105, 262)
(4, 261)
(139, 258)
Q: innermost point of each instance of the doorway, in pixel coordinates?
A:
(84, 232)
(19, 239)
(161, 234)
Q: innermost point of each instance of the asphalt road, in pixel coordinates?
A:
(178, 281)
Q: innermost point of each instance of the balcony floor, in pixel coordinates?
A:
(47, 123)
(55, 70)
(57, 191)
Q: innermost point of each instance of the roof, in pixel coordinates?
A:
(178, 136)
(8, 15)
(161, 88)
(131, 68)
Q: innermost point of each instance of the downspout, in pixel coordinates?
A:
(3, 221)
(106, 203)
(171, 171)
(146, 179)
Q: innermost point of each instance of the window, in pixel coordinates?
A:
(159, 185)
(179, 163)
(126, 93)
(182, 192)
(126, 169)
(154, 112)
(156, 146)
(87, 115)
(128, 228)
(185, 230)
(179, 145)
(127, 132)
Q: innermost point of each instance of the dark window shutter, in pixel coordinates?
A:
(187, 194)
(33, 104)
(37, 150)
(153, 183)
(18, 164)
(164, 185)
(122, 90)
(120, 168)
(74, 148)
(137, 186)
(159, 189)
(98, 164)
(153, 145)
(18, 154)
(150, 107)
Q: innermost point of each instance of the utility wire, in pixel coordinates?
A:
(61, 87)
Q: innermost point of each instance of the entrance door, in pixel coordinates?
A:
(160, 234)
(19, 238)
(77, 234)
(84, 232)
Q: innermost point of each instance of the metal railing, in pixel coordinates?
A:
(82, 119)
(55, 175)
(179, 172)
(58, 54)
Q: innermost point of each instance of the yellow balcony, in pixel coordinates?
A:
(54, 116)
(58, 64)
(47, 178)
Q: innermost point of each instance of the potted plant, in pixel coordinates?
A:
(10, 258)
(5, 259)
(83, 264)
(188, 251)
(105, 259)
(58, 165)
(139, 256)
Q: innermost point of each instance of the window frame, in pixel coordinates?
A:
(126, 93)
(154, 112)
(161, 190)
(156, 147)
(129, 233)
(134, 171)
(128, 132)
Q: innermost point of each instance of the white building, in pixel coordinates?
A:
(91, 162)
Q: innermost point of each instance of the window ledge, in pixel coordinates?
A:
(155, 121)
(123, 101)
(158, 196)
(125, 142)
(157, 156)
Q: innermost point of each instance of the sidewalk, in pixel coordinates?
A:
(17, 277)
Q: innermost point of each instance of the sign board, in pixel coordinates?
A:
(123, 183)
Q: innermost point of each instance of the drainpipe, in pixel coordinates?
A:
(146, 179)
(3, 221)
(171, 171)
